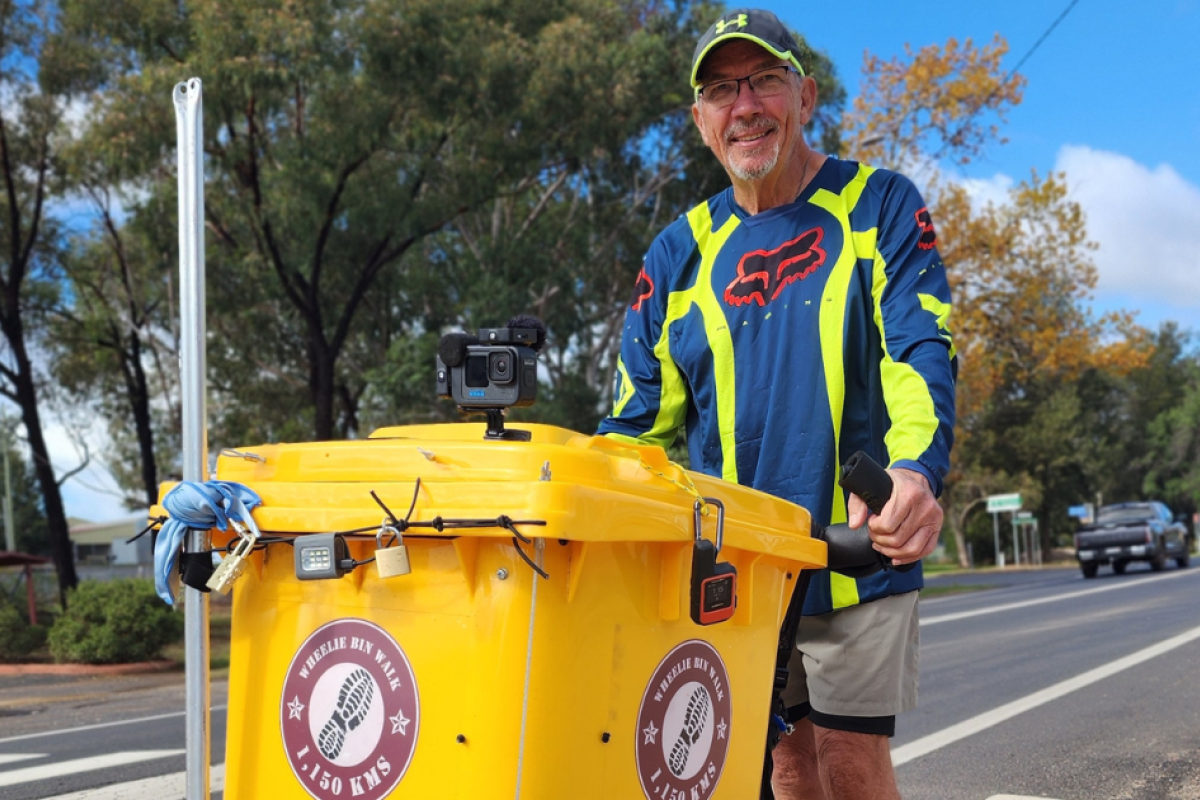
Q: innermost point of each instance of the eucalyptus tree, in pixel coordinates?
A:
(341, 135)
(569, 248)
(112, 347)
(31, 131)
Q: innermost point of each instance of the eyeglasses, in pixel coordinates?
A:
(764, 83)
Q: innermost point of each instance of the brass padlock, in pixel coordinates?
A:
(234, 564)
(391, 562)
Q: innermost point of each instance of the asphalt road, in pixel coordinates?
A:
(63, 734)
(1044, 685)
(1130, 735)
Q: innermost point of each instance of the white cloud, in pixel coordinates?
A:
(91, 494)
(1147, 223)
(994, 190)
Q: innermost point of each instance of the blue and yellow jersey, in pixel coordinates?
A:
(787, 340)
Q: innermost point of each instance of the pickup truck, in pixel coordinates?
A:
(1132, 532)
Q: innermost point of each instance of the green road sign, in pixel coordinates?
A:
(1003, 502)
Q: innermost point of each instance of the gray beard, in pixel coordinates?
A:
(755, 173)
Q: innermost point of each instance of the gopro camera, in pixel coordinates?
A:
(497, 370)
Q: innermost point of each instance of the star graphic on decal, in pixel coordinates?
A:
(294, 708)
(400, 723)
(721, 729)
(650, 732)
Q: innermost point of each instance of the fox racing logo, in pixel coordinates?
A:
(928, 235)
(762, 274)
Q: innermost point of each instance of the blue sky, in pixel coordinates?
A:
(1112, 99)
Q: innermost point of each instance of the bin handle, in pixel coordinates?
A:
(653, 459)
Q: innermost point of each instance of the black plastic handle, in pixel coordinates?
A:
(863, 476)
(850, 551)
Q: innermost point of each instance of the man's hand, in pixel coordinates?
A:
(908, 528)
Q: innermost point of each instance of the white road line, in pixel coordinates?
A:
(1042, 601)
(10, 758)
(61, 768)
(164, 787)
(1017, 797)
(927, 744)
(97, 726)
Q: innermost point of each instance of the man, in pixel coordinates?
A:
(790, 320)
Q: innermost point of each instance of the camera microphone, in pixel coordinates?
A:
(452, 348)
(532, 323)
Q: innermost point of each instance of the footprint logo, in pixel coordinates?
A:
(354, 701)
(694, 719)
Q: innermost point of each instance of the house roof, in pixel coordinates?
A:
(106, 532)
(9, 558)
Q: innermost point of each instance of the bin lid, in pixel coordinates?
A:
(585, 488)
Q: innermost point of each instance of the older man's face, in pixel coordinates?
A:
(750, 136)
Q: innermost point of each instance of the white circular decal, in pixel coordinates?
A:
(683, 724)
(349, 712)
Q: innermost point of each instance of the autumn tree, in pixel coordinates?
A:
(935, 103)
(1021, 275)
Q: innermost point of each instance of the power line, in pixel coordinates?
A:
(1045, 35)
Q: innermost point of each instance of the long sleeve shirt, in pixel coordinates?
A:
(787, 340)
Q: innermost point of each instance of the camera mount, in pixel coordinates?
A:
(496, 430)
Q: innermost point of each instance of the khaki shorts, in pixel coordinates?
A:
(859, 661)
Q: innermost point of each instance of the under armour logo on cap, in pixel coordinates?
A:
(761, 27)
(741, 20)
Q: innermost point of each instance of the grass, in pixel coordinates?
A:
(954, 588)
(937, 569)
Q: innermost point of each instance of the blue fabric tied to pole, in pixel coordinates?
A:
(202, 506)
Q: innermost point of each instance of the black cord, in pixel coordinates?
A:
(437, 523)
(386, 510)
(400, 524)
(507, 524)
(413, 504)
(154, 521)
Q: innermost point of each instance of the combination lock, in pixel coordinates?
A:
(714, 584)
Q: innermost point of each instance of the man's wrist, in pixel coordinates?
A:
(932, 485)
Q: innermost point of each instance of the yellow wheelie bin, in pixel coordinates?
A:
(530, 626)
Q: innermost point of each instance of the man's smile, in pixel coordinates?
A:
(750, 139)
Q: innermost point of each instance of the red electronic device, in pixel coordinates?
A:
(714, 584)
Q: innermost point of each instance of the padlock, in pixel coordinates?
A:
(391, 562)
(714, 584)
(234, 564)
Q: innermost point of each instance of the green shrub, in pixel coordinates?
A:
(17, 637)
(114, 622)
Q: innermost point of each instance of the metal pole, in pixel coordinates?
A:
(31, 594)
(10, 532)
(1016, 539)
(189, 126)
(996, 538)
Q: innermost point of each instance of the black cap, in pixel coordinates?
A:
(761, 27)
